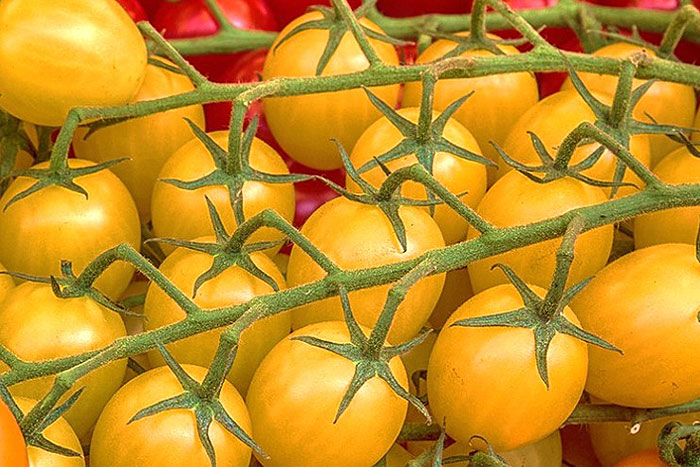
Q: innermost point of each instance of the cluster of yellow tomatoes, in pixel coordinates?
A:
(282, 391)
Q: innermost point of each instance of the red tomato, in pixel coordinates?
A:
(404, 8)
(13, 451)
(287, 10)
(135, 10)
(151, 6)
(310, 195)
(191, 18)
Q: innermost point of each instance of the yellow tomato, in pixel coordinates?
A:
(483, 113)
(36, 326)
(232, 287)
(296, 393)
(552, 119)
(398, 457)
(678, 225)
(454, 173)
(483, 381)
(148, 141)
(6, 284)
(645, 304)
(367, 240)
(60, 433)
(183, 214)
(305, 125)
(67, 54)
(668, 103)
(56, 224)
(169, 438)
(543, 453)
(517, 200)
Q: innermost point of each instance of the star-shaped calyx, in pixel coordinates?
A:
(232, 170)
(544, 315)
(203, 402)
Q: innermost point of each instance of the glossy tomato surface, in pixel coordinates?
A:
(135, 10)
(13, 450)
(288, 10)
(648, 458)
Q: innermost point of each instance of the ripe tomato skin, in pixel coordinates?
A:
(167, 439)
(648, 458)
(368, 240)
(517, 200)
(59, 432)
(13, 450)
(179, 213)
(552, 119)
(6, 283)
(147, 141)
(678, 225)
(192, 18)
(655, 298)
(36, 326)
(295, 395)
(151, 6)
(669, 103)
(544, 453)
(98, 32)
(484, 381)
(287, 10)
(480, 114)
(398, 457)
(234, 286)
(56, 224)
(613, 441)
(305, 125)
(135, 10)
(454, 173)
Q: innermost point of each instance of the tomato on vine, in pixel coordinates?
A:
(135, 10)
(648, 458)
(544, 453)
(13, 451)
(288, 10)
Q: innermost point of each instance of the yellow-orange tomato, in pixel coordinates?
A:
(398, 457)
(148, 141)
(668, 103)
(544, 453)
(552, 119)
(457, 290)
(678, 225)
(648, 458)
(36, 326)
(67, 54)
(367, 240)
(305, 125)
(6, 284)
(232, 287)
(614, 441)
(517, 200)
(60, 433)
(169, 438)
(296, 393)
(13, 449)
(484, 380)
(645, 304)
(183, 214)
(454, 173)
(482, 114)
(56, 224)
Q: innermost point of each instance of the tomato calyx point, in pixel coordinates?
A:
(679, 445)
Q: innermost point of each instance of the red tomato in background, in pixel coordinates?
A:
(313, 193)
(192, 18)
(287, 10)
(404, 8)
(151, 6)
(135, 10)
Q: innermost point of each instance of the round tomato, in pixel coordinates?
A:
(232, 287)
(135, 10)
(544, 453)
(6, 283)
(169, 438)
(648, 296)
(49, 75)
(678, 225)
(455, 173)
(367, 240)
(483, 381)
(36, 326)
(183, 214)
(668, 103)
(287, 10)
(552, 119)
(13, 451)
(60, 433)
(613, 441)
(56, 224)
(305, 125)
(457, 290)
(192, 18)
(648, 458)
(148, 142)
(482, 114)
(517, 200)
(398, 457)
(296, 393)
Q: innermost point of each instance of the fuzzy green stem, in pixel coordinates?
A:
(684, 17)
(345, 12)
